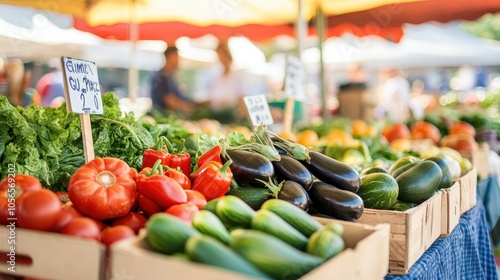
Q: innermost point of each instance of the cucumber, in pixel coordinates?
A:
(420, 182)
(207, 250)
(273, 256)
(253, 196)
(293, 215)
(268, 222)
(446, 177)
(207, 223)
(233, 211)
(402, 161)
(335, 227)
(378, 190)
(168, 234)
(325, 243)
(402, 206)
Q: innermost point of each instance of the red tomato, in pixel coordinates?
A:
(197, 198)
(135, 221)
(67, 214)
(116, 233)
(148, 207)
(63, 197)
(102, 226)
(104, 188)
(425, 130)
(463, 143)
(38, 210)
(12, 188)
(396, 131)
(461, 127)
(184, 211)
(82, 227)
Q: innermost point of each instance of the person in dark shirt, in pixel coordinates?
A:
(165, 92)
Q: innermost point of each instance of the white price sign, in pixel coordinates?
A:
(258, 110)
(82, 86)
(295, 79)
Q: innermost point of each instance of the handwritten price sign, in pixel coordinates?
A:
(84, 92)
(258, 110)
(295, 79)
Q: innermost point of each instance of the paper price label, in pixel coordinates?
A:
(258, 110)
(294, 79)
(82, 86)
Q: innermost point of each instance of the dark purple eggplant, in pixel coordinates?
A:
(294, 193)
(334, 202)
(333, 172)
(247, 167)
(289, 168)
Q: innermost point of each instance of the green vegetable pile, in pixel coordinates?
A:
(47, 142)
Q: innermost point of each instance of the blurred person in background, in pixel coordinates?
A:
(394, 96)
(227, 89)
(50, 86)
(11, 76)
(165, 92)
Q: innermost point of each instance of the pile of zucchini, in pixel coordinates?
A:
(279, 241)
(275, 167)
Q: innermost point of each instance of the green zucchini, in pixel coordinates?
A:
(446, 176)
(268, 222)
(207, 250)
(378, 190)
(253, 196)
(374, 169)
(207, 223)
(168, 234)
(211, 205)
(420, 182)
(233, 211)
(325, 243)
(293, 215)
(402, 169)
(273, 256)
(335, 227)
(402, 161)
(402, 206)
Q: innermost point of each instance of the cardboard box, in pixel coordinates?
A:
(450, 209)
(54, 256)
(480, 160)
(468, 190)
(412, 231)
(365, 257)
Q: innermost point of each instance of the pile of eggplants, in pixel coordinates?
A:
(310, 180)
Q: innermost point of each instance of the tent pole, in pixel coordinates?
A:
(320, 26)
(133, 74)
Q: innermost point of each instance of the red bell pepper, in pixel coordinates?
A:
(197, 198)
(151, 155)
(179, 158)
(213, 179)
(178, 176)
(212, 154)
(160, 189)
(148, 207)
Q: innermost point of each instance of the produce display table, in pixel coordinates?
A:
(465, 254)
(489, 191)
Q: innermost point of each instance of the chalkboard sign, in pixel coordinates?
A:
(83, 88)
(258, 110)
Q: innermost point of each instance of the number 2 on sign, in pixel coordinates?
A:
(82, 97)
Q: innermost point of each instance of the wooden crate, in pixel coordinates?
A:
(364, 258)
(54, 256)
(412, 231)
(450, 209)
(468, 190)
(480, 160)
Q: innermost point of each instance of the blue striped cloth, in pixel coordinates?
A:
(465, 254)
